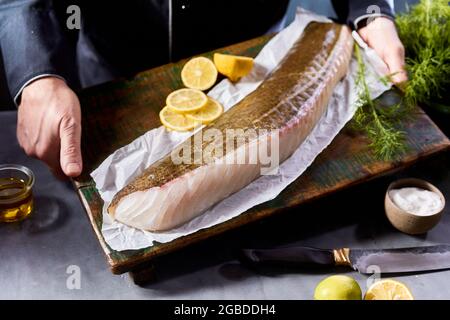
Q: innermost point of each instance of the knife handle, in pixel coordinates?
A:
(297, 256)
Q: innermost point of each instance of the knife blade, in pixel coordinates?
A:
(366, 261)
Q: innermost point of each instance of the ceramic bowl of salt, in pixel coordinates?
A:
(413, 206)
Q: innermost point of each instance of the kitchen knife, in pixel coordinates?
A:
(362, 260)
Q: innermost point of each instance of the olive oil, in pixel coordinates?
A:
(16, 199)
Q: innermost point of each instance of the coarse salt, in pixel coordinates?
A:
(417, 201)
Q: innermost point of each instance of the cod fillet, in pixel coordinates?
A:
(292, 100)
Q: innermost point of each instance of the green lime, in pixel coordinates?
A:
(338, 288)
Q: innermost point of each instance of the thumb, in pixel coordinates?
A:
(395, 60)
(70, 153)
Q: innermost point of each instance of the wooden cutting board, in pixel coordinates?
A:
(116, 113)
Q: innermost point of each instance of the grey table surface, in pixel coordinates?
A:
(39, 256)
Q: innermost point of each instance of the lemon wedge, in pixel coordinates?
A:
(173, 120)
(233, 67)
(210, 112)
(199, 73)
(388, 289)
(186, 100)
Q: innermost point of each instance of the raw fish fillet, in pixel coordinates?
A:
(292, 99)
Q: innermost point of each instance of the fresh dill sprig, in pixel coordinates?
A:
(380, 124)
(425, 33)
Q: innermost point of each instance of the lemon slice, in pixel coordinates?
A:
(173, 120)
(199, 73)
(388, 290)
(233, 67)
(186, 100)
(210, 112)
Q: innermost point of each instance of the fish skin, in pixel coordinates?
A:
(292, 99)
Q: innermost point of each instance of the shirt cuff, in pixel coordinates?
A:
(44, 75)
(361, 21)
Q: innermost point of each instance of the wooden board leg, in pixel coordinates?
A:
(143, 275)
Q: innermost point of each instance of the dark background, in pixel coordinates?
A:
(321, 6)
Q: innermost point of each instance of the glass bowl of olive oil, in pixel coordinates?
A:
(16, 197)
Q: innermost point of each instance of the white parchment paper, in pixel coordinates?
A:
(129, 161)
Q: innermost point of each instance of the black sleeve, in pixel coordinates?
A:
(352, 12)
(34, 40)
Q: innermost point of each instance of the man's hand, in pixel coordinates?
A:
(49, 125)
(381, 35)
